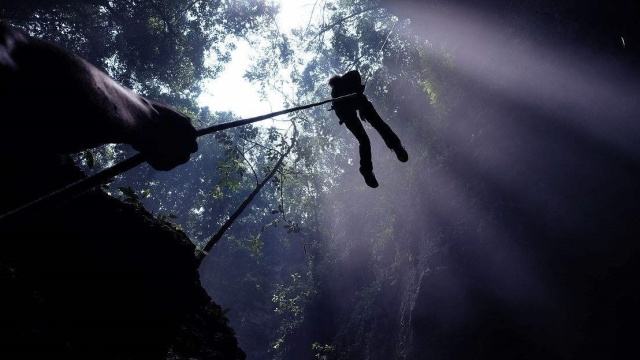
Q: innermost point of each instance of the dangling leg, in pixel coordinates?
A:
(368, 112)
(366, 166)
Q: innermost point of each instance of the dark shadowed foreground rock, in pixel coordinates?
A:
(99, 278)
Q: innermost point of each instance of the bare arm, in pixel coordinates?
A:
(54, 101)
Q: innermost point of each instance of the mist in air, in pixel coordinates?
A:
(510, 232)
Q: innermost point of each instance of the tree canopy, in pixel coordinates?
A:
(318, 265)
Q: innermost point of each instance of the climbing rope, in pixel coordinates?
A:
(81, 186)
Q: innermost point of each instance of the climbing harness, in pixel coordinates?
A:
(81, 186)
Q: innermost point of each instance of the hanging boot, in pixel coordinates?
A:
(369, 178)
(401, 153)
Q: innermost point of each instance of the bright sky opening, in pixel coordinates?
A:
(231, 91)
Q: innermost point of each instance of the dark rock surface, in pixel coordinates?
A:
(99, 278)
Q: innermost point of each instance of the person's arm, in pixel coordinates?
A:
(58, 102)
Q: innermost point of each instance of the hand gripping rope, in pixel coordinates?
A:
(88, 183)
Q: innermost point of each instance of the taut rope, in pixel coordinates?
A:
(83, 185)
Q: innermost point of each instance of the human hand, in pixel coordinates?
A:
(167, 139)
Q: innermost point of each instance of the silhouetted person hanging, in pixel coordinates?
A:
(350, 83)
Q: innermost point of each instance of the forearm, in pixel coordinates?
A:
(61, 100)
(54, 102)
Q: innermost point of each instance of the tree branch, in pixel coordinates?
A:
(236, 214)
(255, 175)
(187, 8)
(262, 146)
(340, 21)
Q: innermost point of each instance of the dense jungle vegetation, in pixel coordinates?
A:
(500, 109)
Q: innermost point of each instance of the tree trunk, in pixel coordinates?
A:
(227, 224)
